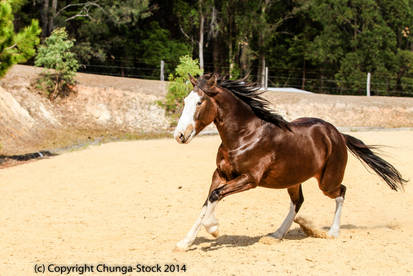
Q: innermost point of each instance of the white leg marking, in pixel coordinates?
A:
(190, 237)
(207, 212)
(285, 226)
(335, 227)
(209, 221)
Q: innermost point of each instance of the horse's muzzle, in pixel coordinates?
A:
(185, 137)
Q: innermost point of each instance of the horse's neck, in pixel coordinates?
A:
(236, 122)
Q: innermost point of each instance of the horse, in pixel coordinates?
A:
(260, 148)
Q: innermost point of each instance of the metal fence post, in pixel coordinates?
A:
(368, 84)
(162, 70)
(266, 78)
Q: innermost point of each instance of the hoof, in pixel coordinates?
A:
(269, 240)
(332, 235)
(181, 247)
(215, 234)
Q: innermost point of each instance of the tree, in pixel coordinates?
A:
(15, 47)
(193, 22)
(319, 45)
(108, 35)
(180, 85)
(156, 44)
(56, 54)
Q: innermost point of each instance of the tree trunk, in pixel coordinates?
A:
(230, 48)
(245, 59)
(261, 61)
(262, 70)
(201, 36)
(44, 18)
(52, 16)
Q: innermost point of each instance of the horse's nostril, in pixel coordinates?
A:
(181, 137)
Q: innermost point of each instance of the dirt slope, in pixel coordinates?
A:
(129, 202)
(103, 106)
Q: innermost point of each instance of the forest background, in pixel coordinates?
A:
(325, 46)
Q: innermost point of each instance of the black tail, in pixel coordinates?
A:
(383, 168)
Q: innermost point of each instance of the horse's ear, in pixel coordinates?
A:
(192, 80)
(209, 85)
(212, 82)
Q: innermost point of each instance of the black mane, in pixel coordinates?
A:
(250, 94)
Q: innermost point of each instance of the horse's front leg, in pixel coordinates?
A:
(206, 217)
(239, 184)
(209, 221)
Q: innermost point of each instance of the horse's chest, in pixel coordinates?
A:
(234, 163)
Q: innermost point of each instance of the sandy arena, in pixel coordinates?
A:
(128, 203)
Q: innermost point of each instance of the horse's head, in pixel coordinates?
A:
(200, 109)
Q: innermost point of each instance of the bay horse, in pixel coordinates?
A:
(260, 148)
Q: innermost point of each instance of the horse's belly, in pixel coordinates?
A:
(277, 180)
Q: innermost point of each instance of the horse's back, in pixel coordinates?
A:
(316, 127)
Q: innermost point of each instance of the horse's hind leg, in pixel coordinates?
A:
(335, 227)
(297, 199)
(330, 184)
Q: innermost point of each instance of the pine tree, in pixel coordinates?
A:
(15, 47)
(56, 54)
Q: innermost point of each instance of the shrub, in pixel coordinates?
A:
(180, 85)
(56, 54)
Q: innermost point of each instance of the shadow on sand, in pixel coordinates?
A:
(223, 241)
(241, 240)
(390, 225)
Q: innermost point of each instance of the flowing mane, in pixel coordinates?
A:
(250, 94)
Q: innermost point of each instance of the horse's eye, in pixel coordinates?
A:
(198, 103)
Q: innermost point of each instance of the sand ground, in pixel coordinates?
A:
(129, 203)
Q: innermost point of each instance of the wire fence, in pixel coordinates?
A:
(316, 81)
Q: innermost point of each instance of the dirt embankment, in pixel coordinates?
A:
(113, 106)
(346, 111)
(103, 106)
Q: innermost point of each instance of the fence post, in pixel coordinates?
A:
(162, 70)
(266, 78)
(368, 84)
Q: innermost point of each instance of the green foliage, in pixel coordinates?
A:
(356, 46)
(235, 72)
(180, 85)
(56, 54)
(157, 45)
(108, 34)
(323, 46)
(15, 48)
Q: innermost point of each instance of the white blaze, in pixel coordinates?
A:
(187, 116)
